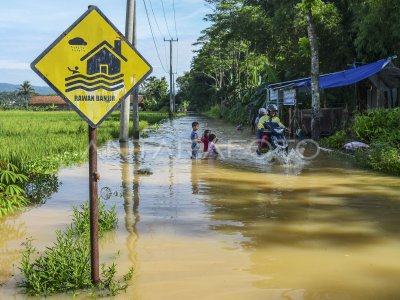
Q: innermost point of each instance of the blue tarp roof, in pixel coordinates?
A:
(341, 78)
(348, 77)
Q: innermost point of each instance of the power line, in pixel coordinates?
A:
(152, 34)
(165, 18)
(177, 55)
(173, 6)
(155, 19)
(159, 30)
(176, 33)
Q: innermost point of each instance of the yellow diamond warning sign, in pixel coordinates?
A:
(92, 66)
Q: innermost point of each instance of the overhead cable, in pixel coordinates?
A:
(173, 6)
(176, 33)
(159, 30)
(165, 18)
(152, 34)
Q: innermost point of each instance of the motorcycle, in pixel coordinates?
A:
(273, 137)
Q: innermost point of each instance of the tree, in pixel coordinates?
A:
(315, 102)
(155, 92)
(310, 10)
(252, 43)
(377, 28)
(26, 91)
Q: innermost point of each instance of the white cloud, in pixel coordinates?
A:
(13, 65)
(27, 27)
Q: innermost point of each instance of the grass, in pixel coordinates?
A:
(42, 142)
(65, 266)
(38, 144)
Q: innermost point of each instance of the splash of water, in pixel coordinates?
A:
(292, 158)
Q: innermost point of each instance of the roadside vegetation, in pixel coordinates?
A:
(12, 195)
(380, 129)
(250, 44)
(64, 267)
(35, 145)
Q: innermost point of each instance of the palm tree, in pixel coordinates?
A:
(26, 91)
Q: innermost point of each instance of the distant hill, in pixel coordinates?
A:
(42, 90)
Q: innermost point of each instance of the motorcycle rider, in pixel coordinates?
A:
(271, 116)
(262, 112)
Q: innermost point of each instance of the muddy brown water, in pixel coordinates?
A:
(238, 227)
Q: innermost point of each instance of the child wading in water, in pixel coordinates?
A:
(195, 140)
(212, 148)
(204, 139)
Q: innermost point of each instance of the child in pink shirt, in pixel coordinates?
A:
(212, 148)
(204, 139)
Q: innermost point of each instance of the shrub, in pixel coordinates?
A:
(335, 141)
(11, 192)
(80, 218)
(381, 158)
(378, 124)
(65, 266)
(237, 114)
(381, 129)
(214, 112)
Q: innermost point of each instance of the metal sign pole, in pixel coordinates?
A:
(73, 60)
(94, 205)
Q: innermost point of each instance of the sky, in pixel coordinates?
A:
(28, 27)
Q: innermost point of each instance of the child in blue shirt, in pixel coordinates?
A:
(195, 140)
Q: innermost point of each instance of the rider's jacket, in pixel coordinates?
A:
(267, 118)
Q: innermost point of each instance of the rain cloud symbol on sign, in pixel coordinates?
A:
(77, 44)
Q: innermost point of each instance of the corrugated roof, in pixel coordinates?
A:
(47, 100)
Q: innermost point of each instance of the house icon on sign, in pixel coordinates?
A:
(104, 59)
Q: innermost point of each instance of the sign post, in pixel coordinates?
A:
(94, 205)
(93, 67)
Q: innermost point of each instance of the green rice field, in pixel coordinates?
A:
(42, 142)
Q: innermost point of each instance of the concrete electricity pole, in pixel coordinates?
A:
(171, 81)
(130, 34)
(136, 92)
(173, 92)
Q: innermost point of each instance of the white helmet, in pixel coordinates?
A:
(262, 110)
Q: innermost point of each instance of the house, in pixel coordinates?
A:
(141, 103)
(375, 85)
(104, 59)
(47, 101)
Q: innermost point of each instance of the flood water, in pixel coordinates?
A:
(238, 227)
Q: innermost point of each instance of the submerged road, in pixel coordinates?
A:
(239, 227)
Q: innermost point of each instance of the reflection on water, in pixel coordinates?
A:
(241, 226)
(130, 189)
(40, 187)
(11, 229)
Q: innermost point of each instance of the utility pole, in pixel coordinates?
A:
(171, 81)
(130, 24)
(173, 91)
(136, 91)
